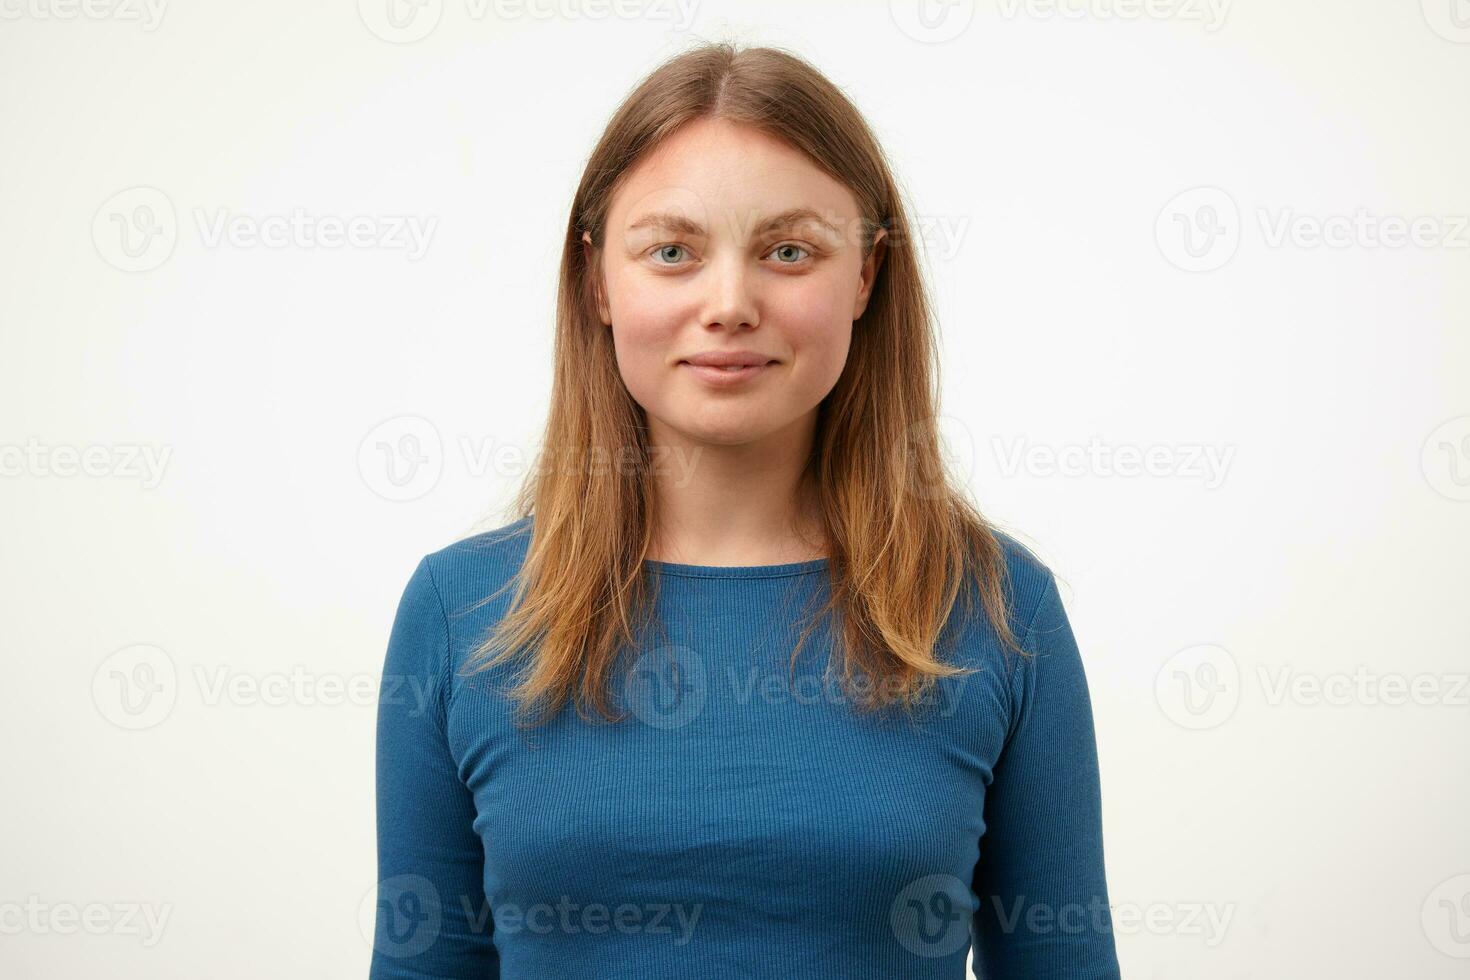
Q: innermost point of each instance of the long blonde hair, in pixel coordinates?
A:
(903, 542)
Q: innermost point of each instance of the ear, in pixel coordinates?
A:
(594, 269)
(871, 265)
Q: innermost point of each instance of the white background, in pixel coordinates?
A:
(1063, 162)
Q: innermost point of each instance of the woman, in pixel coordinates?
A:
(828, 721)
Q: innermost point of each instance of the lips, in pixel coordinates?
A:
(729, 359)
(742, 370)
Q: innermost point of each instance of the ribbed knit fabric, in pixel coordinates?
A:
(738, 823)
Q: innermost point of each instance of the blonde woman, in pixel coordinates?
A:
(749, 689)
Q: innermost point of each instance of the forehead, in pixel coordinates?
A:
(712, 167)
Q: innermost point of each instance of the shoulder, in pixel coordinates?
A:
(1027, 588)
(506, 543)
(1030, 583)
(473, 568)
(458, 592)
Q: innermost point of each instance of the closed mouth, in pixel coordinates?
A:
(728, 367)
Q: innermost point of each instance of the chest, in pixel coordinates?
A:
(729, 779)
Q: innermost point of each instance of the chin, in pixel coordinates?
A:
(736, 430)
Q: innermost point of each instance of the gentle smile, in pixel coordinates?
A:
(727, 367)
(718, 375)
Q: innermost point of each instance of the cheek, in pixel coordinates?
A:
(644, 310)
(815, 315)
(646, 324)
(808, 318)
(810, 302)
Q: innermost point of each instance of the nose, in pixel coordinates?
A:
(730, 298)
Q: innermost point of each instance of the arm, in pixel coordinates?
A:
(1043, 911)
(432, 917)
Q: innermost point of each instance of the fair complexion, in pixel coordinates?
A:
(691, 264)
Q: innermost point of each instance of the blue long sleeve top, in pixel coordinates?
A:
(741, 821)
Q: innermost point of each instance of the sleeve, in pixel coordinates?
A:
(432, 919)
(1043, 912)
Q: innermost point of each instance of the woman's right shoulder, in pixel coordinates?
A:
(474, 567)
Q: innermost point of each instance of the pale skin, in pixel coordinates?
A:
(728, 459)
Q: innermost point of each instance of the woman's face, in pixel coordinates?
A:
(692, 265)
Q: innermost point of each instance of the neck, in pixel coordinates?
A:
(746, 504)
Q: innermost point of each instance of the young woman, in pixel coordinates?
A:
(828, 721)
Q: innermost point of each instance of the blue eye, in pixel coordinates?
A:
(672, 251)
(665, 248)
(789, 245)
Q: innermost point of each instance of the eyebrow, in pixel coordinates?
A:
(682, 225)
